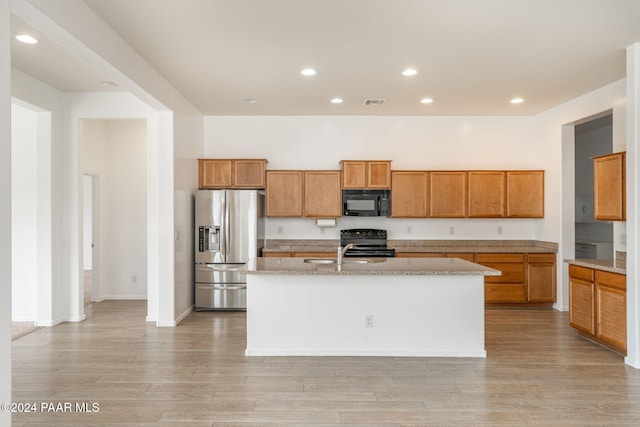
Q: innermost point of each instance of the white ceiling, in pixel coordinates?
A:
(472, 56)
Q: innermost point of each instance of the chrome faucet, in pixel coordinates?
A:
(341, 251)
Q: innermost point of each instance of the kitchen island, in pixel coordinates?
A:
(386, 307)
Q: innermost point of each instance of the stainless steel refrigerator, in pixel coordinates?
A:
(229, 231)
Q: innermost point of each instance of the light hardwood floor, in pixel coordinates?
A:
(538, 372)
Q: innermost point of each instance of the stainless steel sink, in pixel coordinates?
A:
(334, 261)
(321, 260)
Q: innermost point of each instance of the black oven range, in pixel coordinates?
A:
(368, 242)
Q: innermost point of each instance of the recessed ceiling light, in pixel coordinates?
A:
(517, 101)
(308, 72)
(25, 38)
(426, 100)
(336, 101)
(249, 100)
(410, 72)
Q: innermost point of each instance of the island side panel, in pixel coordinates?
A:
(321, 315)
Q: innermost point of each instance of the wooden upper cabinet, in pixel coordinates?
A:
(447, 194)
(361, 174)
(609, 176)
(214, 173)
(486, 194)
(284, 193)
(525, 194)
(409, 194)
(249, 174)
(322, 194)
(231, 173)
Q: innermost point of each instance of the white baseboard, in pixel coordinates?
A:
(124, 297)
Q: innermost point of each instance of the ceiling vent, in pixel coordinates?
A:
(374, 102)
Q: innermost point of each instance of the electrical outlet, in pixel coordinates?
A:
(452, 230)
(368, 321)
(499, 230)
(279, 230)
(409, 229)
(134, 279)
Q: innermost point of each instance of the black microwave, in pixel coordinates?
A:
(366, 202)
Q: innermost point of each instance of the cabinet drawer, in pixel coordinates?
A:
(511, 273)
(504, 293)
(614, 280)
(542, 258)
(583, 273)
(467, 256)
(314, 254)
(491, 257)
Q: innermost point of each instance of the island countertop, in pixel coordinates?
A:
(378, 266)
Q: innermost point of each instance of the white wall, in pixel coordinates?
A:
(5, 211)
(431, 143)
(115, 152)
(53, 304)
(24, 225)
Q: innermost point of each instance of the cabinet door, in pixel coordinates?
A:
(249, 173)
(214, 173)
(541, 278)
(409, 194)
(284, 193)
(322, 194)
(525, 194)
(582, 305)
(609, 187)
(354, 174)
(379, 174)
(447, 194)
(611, 324)
(486, 194)
(611, 308)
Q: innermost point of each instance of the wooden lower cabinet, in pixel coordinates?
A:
(611, 309)
(510, 287)
(541, 277)
(526, 278)
(598, 306)
(582, 299)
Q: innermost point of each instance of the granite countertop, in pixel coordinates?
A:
(432, 246)
(379, 266)
(613, 266)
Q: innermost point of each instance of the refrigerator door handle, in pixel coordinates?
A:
(223, 225)
(227, 226)
(223, 287)
(224, 267)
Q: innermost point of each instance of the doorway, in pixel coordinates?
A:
(593, 239)
(90, 244)
(114, 166)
